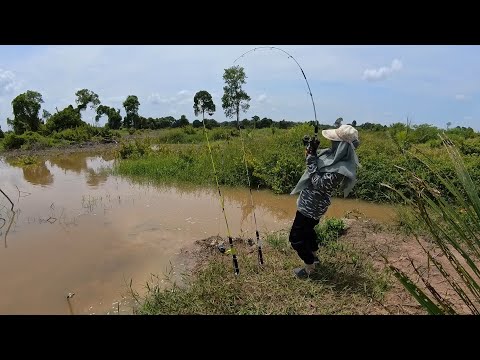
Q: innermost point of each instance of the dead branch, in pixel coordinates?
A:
(20, 193)
(7, 198)
(9, 226)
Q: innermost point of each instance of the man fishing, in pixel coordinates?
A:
(325, 172)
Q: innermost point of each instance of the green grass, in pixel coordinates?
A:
(275, 157)
(344, 283)
(276, 161)
(451, 218)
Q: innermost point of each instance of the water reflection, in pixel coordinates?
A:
(95, 179)
(37, 174)
(43, 171)
(75, 163)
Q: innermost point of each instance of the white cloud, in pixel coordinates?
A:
(114, 99)
(383, 72)
(8, 82)
(183, 92)
(182, 97)
(461, 97)
(467, 117)
(156, 99)
(262, 97)
(185, 101)
(396, 65)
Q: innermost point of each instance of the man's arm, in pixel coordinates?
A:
(324, 181)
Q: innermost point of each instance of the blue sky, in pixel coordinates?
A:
(381, 84)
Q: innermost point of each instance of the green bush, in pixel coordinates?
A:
(329, 230)
(134, 149)
(79, 134)
(470, 146)
(27, 141)
(13, 141)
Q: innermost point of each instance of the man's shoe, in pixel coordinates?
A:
(301, 273)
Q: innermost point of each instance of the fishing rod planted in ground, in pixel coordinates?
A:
(259, 244)
(260, 255)
(222, 204)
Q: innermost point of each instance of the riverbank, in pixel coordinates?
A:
(352, 277)
(86, 147)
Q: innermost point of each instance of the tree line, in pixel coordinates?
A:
(26, 111)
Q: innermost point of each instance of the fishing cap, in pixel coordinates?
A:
(345, 133)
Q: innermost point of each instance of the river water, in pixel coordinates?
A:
(79, 229)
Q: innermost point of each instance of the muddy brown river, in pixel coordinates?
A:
(78, 229)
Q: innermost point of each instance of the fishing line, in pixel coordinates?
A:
(259, 245)
(222, 204)
(303, 73)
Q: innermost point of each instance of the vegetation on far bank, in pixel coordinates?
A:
(275, 157)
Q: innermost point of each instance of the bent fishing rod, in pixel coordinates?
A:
(303, 73)
(260, 255)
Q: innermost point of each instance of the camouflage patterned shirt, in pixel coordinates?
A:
(314, 201)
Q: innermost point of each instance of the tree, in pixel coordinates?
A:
(245, 123)
(45, 115)
(183, 121)
(68, 118)
(265, 123)
(234, 98)
(449, 124)
(131, 105)
(255, 120)
(2, 135)
(202, 102)
(85, 97)
(338, 122)
(26, 108)
(114, 118)
(196, 123)
(211, 123)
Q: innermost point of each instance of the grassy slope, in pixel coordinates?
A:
(345, 283)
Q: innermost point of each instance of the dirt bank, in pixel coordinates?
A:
(370, 240)
(94, 147)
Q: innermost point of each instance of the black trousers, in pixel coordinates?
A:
(303, 237)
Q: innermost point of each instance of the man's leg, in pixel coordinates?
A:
(299, 238)
(312, 237)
